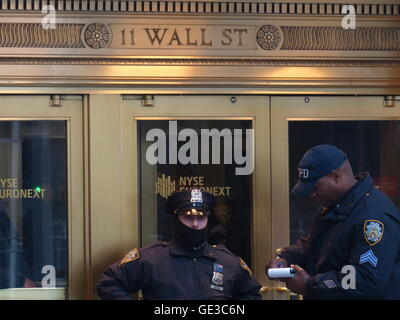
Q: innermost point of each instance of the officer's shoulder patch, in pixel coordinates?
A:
(131, 256)
(373, 231)
(245, 267)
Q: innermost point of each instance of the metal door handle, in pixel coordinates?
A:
(264, 289)
(279, 289)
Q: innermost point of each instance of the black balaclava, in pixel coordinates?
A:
(190, 239)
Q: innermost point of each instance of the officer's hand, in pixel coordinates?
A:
(297, 284)
(276, 263)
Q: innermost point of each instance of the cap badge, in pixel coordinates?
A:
(304, 173)
(196, 196)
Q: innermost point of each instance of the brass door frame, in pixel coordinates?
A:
(309, 108)
(202, 107)
(28, 107)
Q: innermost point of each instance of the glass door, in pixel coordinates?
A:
(41, 198)
(215, 143)
(365, 128)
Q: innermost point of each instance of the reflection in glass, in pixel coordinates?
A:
(33, 204)
(231, 224)
(371, 146)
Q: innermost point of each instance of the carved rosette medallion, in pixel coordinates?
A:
(270, 37)
(97, 36)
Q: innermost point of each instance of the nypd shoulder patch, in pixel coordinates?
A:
(132, 255)
(369, 257)
(373, 231)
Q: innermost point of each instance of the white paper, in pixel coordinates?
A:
(276, 273)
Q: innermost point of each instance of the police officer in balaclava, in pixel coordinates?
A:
(187, 267)
(190, 218)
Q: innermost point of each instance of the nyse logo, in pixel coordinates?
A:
(304, 173)
(165, 186)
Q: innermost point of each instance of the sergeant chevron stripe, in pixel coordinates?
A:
(369, 257)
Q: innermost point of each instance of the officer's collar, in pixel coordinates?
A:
(204, 250)
(346, 203)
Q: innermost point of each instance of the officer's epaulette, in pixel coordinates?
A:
(136, 253)
(221, 247)
(156, 244)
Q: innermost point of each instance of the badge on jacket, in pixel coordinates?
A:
(217, 281)
(132, 255)
(373, 231)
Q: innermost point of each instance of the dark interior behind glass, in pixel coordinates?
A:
(33, 204)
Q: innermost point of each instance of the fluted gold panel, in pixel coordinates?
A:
(33, 35)
(337, 38)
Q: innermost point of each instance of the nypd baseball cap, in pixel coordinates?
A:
(191, 202)
(316, 163)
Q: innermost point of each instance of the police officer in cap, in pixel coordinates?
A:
(187, 267)
(353, 249)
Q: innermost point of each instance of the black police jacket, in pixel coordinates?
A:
(166, 271)
(353, 249)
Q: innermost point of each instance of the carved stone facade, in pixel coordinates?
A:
(33, 35)
(337, 38)
(187, 34)
(206, 7)
(269, 37)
